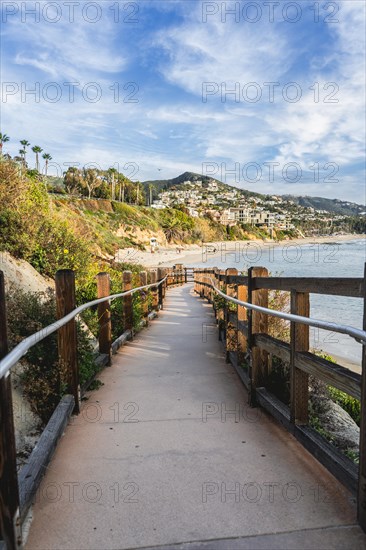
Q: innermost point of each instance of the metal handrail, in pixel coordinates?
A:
(21, 349)
(357, 334)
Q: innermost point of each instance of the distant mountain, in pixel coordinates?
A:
(161, 185)
(335, 206)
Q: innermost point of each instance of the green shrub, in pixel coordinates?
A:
(34, 231)
(348, 403)
(42, 376)
(351, 405)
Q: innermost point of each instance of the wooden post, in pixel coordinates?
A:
(165, 284)
(220, 310)
(231, 329)
(67, 335)
(10, 527)
(361, 501)
(144, 296)
(104, 316)
(127, 301)
(300, 305)
(209, 289)
(214, 302)
(257, 323)
(242, 316)
(185, 275)
(179, 268)
(161, 275)
(154, 291)
(208, 282)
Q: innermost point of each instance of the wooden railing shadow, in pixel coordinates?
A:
(18, 489)
(244, 333)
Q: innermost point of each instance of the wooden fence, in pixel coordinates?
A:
(250, 349)
(17, 489)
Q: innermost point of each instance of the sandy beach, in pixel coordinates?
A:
(191, 255)
(169, 255)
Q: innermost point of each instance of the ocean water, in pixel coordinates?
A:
(343, 259)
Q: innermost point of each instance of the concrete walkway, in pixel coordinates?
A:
(157, 459)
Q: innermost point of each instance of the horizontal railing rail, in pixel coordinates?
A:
(17, 489)
(357, 334)
(335, 286)
(25, 345)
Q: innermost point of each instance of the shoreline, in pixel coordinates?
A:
(198, 254)
(168, 256)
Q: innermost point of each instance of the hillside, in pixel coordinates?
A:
(54, 232)
(162, 185)
(335, 206)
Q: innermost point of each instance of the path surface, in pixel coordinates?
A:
(153, 459)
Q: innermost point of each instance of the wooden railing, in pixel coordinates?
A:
(250, 348)
(17, 490)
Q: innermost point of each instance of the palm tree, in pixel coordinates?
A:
(122, 182)
(47, 157)
(3, 139)
(22, 155)
(25, 144)
(151, 187)
(37, 149)
(111, 178)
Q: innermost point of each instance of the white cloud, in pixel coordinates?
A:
(222, 52)
(148, 133)
(188, 53)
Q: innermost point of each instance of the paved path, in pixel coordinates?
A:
(154, 460)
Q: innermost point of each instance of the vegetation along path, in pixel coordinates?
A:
(168, 452)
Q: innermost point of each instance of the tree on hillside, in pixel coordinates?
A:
(91, 179)
(122, 184)
(151, 187)
(24, 144)
(134, 192)
(112, 176)
(47, 157)
(175, 223)
(72, 180)
(37, 150)
(3, 139)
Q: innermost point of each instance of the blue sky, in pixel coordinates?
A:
(148, 90)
